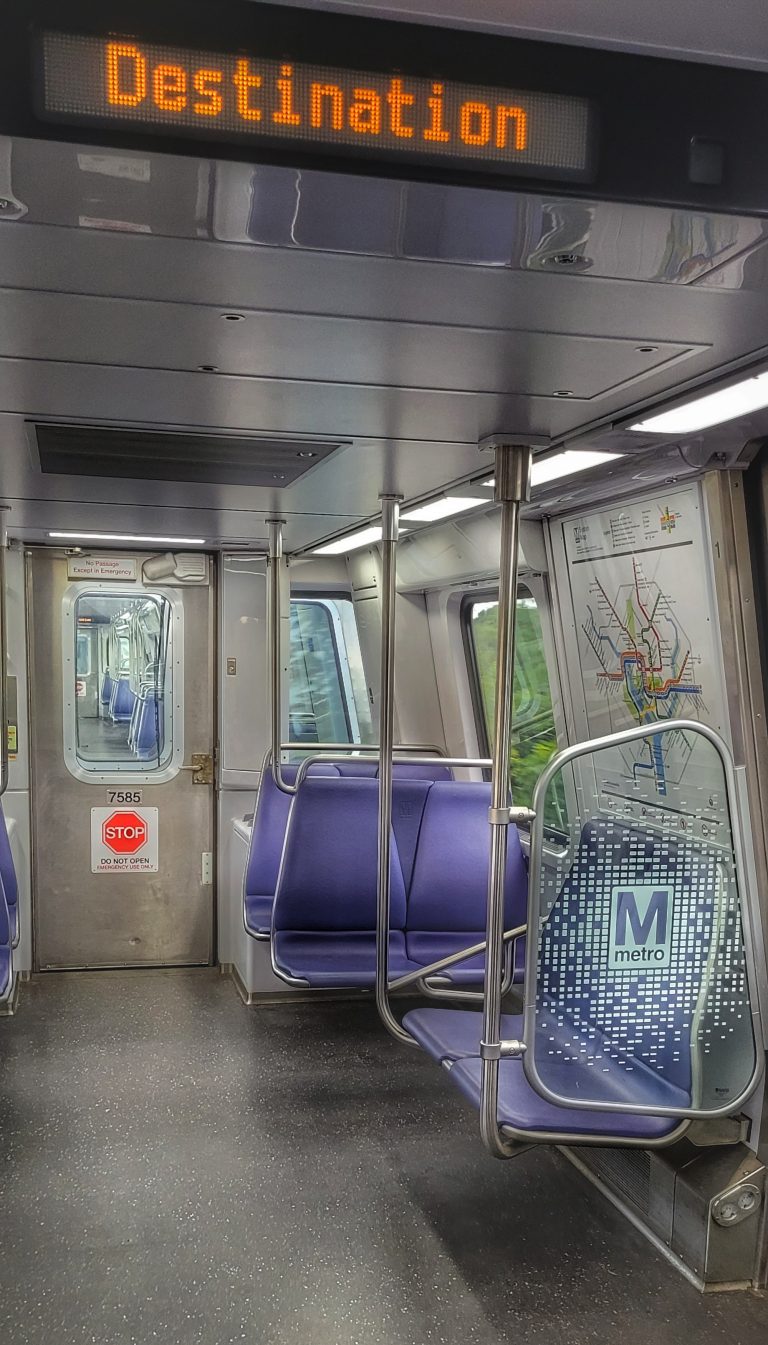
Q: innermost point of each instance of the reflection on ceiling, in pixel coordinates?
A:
(266, 206)
(203, 326)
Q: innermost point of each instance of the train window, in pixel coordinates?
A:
(118, 653)
(328, 701)
(534, 735)
(83, 654)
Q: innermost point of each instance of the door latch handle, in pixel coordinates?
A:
(202, 768)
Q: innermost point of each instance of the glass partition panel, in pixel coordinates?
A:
(638, 995)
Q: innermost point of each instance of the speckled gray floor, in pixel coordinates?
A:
(177, 1167)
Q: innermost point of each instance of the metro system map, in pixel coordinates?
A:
(637, 576)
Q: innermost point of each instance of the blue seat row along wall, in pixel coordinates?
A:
(323, 926)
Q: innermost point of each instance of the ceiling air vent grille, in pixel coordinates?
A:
(157, 455)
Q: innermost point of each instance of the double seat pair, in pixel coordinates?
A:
(321, 915)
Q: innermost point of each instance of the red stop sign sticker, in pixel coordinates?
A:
(124, 833)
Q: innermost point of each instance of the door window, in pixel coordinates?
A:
(119, 715)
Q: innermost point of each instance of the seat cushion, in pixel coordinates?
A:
(426, 947)
(523, 1109)
(343, 960)
(448, 1034)
(452, 1037)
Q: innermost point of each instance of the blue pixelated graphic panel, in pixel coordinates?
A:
(642, 981)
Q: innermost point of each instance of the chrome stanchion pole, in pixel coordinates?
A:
(390, 527)
(513, 473)
(274, 609)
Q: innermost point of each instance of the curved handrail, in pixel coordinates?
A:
(413, 760)
(333, 752)
(360, 747)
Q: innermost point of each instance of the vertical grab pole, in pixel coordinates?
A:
(513, 474)
(390, 528)
(275, 526)
(4, 765)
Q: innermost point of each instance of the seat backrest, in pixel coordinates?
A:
(6, 932)
(123, 699)
(270, 820)
(8, 880)
(328, 876)
(401, 770)
(407, 770)
(409, 798)
(449, 888)
(624, 950)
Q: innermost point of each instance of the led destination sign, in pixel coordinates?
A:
(95, 81)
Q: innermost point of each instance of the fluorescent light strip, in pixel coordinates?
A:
(713, 409)
(125, 537)
(572, 460)
(349, 543)
(443, 508)
(560, 464)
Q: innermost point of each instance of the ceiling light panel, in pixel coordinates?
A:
(125, 537)
(443, 508)
(365, 537)
(713, 409)
(572, 460)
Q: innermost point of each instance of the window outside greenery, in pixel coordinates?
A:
(533, 724)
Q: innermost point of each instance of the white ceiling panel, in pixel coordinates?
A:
(732, 34)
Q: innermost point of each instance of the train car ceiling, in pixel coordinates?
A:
(691, 31)
(253, 337)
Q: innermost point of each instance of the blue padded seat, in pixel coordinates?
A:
(449, 890)
(401, 770)
(6, 951)
(148, 739)
(618, 1035)
(452, 1038)
(106, 690)
(366, 770)
(270, 820)
(8, 882)
(407, 770)
(122, 701)
(324, 915)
